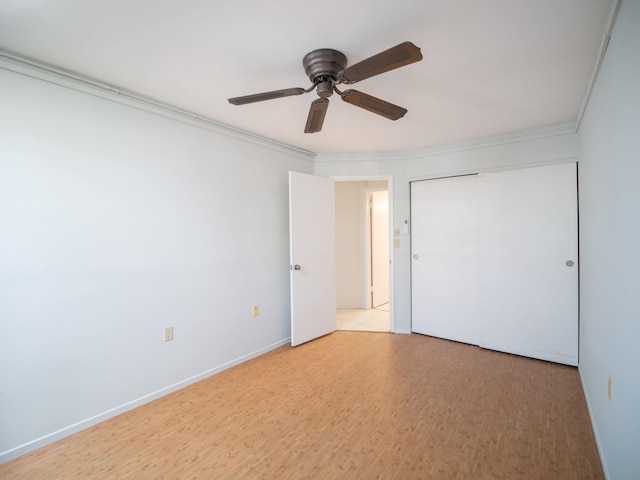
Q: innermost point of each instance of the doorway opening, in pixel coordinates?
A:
(363, 255)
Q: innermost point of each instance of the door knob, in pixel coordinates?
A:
(569, 263)
(297, 267)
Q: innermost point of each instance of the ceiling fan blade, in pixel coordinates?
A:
(316, 115)
(373, 104)
(395, 57)
(259, 97)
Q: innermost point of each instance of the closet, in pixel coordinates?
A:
(495, 260)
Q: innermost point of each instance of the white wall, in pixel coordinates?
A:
(350, 245)
(609, 176)
(114, 223)
(547, 146)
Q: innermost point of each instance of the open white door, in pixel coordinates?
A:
(379, 241)
(313, 256)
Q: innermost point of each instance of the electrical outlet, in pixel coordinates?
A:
(168, 333)
(255, 310)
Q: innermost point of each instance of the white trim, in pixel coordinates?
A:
(604, 44)
(101, 417)
(496, 140)
(486, 142)
(392, 261)
(389, 180)
(29, 67)
(403, 331)
(367, 247)
(475, 171)
(23, 65)
(537, 354)
(594, 426)
(360, 156)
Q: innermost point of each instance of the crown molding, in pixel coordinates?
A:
(30, 67)
(497, 140)
(604, 44)
(37, 69)
(485, 142)
(359, 156)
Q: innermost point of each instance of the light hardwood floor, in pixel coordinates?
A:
(350, 405)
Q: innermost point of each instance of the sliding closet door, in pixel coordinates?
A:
(495, 261)
(444, 242)
(529, 263)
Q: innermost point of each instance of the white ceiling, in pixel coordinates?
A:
(490, 66)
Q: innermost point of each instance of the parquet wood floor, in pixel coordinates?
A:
(350, 405)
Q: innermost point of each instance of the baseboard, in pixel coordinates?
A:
(593, 426)
(89, 422)
(537, 354)
(402, 331)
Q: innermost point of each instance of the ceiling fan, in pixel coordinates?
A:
(326, 69)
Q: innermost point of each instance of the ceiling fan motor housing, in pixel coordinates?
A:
(324, 62)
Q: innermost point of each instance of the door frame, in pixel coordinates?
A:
(389, 180)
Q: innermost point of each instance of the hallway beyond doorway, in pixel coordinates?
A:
(366, 320)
